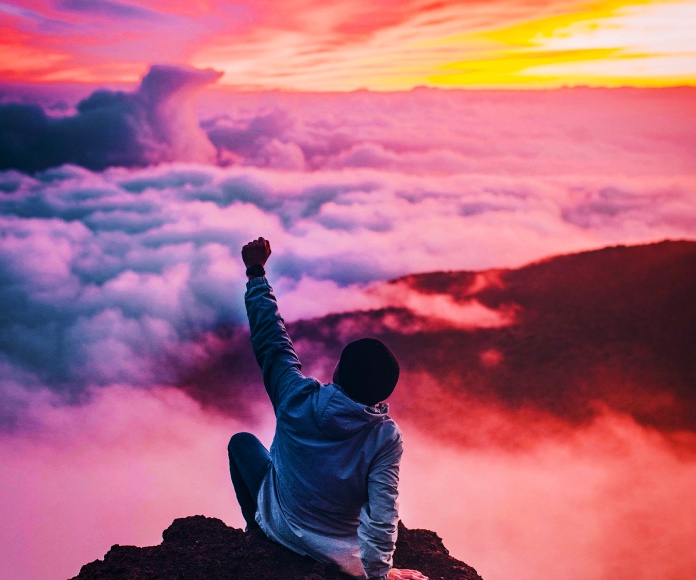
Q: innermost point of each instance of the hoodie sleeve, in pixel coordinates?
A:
(379, 517)
(272, 346)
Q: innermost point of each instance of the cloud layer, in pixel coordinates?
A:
(122, 318)
(106, 277)
(129, 276)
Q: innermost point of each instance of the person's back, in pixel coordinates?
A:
(329, 487)
(325, 448)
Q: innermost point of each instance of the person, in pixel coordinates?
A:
(328, 487)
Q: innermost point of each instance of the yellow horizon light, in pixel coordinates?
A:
(612, 44)
(609, 43)
(646, 43)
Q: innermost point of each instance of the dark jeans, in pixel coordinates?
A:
(249, 461)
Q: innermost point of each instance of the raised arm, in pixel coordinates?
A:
(269, 338)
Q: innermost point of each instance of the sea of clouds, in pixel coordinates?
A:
(121, 221)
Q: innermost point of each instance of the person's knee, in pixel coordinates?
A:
(239, 440)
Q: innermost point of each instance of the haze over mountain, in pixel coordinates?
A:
(568, 337)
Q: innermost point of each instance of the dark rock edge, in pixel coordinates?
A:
(199, 547)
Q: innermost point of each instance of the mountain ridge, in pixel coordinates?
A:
(612, 327)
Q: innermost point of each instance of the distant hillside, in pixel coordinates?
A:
(609, 328)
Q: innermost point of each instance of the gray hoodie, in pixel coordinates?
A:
(331, 489)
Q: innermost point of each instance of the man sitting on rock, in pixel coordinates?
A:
(328, 488)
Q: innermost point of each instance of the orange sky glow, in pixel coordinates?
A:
(308, 45)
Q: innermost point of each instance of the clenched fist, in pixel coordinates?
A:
(256, 252)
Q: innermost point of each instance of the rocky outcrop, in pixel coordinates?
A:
(198, 547)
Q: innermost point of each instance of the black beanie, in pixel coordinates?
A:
(367, 371)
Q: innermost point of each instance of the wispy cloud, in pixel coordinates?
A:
(107, 8)
(347, 44)
(637, 40)
(500, 44)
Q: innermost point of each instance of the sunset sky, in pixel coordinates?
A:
(312, 45)
(141, 144)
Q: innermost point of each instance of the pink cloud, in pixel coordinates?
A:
(118, 469)
(444, 309)
(310, 298)
(585, 501)
(590, 505)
